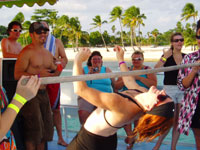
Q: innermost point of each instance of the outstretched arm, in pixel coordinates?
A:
(109, 101)
(129, 81)
(27, 91)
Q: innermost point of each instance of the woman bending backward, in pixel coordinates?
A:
(99, 130)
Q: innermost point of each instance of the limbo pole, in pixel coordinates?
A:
(51, 80)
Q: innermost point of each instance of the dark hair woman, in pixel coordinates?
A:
(172, 57)
(94, 66)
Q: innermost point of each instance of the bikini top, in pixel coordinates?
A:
(125, 96)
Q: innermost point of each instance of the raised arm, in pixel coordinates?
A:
(109, 101)
(27, 92)
(129, 81)
(164, 57)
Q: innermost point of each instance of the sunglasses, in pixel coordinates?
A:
(137, 59)
(162, 97)
(198, 37)
(16, 30)
(177, 40)
(40, 32)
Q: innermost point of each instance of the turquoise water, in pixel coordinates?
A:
(72, 117)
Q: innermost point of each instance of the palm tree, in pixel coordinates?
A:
(75, 30)
(48, 15)
(140, 22)
(155, 33)
(188, 12)
(131, 20)
(19, 17)
(62, 26)
(97, 24)
(113, 28)
(116, 13)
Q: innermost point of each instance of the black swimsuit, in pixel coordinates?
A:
(125, 96)
(86, 140)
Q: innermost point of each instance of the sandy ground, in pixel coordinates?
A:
(150, 53)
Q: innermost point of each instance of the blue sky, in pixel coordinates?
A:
(161, 14)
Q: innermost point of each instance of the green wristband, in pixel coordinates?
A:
(13, 107)
(20, 99)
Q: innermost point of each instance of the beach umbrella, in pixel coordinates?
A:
(20, 3)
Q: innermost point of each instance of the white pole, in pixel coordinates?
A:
(51, 80)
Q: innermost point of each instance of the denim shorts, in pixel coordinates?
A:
(174, 92)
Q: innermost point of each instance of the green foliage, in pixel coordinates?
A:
(69, 30)
(19, 17)
(188, 12)
(3, 32)
(116, 13)
(95, 39)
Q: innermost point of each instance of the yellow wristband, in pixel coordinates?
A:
(20, 99)
(164, 59)
(14, 107)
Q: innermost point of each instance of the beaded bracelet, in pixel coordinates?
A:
(20, 99)
(122, 62)
(163, 59)
(14, 107)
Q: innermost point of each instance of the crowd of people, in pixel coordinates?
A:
(153, 112)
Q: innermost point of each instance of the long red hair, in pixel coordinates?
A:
(151, 126)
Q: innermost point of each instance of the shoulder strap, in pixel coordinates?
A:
(104, 114)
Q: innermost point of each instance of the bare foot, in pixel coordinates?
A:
(130, 142)
(130, 146)
(62, 143)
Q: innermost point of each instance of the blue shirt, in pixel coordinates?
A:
(103, 85)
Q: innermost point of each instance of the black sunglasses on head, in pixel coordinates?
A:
(16, 30)
(177, 40)
(41, 32)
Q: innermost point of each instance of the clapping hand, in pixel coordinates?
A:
(119, 53)
(83, 55)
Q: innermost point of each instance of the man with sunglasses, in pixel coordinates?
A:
(10, 47)
(34, 59)
(56, 47)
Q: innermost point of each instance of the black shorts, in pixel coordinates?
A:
(38, 121)
(196, 117)
(85, 140)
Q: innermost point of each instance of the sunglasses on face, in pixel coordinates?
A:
(137, 59)
(96, 59)
(40, 32)
(177, 40)
(162, 97)
(16, 30)
(198, 37)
